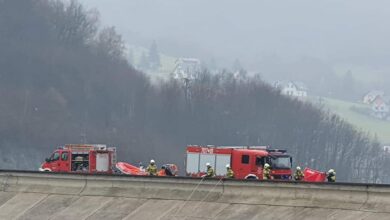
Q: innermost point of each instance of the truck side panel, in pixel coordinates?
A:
(206, 158)
(221, 161)
(192, 163)
(102, 162)
(197, 157)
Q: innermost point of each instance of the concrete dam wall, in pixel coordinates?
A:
(31, 195)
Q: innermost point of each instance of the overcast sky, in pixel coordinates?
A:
(350, 32)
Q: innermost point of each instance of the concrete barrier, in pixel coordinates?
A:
(30, 195)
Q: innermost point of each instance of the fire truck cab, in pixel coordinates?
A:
(81, 158)
(247, 162)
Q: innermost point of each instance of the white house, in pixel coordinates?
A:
(379, 104)
(379, 108)
(186, 68)
(292, 88)
(372, 95)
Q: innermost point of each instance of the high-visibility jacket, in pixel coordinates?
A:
(152, 169)
(229, 173)
(331, 177)
(210, 172)
(267, 173)
(298, 175)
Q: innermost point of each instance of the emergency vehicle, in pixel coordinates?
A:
(81, 158)
(247, 162)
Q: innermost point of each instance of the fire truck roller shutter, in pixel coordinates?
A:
(220, 167)
(206, 158)
(102, 162)
(192, 165)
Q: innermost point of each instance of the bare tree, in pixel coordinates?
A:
(111, 43)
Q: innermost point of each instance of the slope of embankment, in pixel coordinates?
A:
(65, 196)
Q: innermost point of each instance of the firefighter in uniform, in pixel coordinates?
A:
(165, 171)
(229, 172)
(298, 175)
(152, 168)
(267, 172)
(331, 176)
(210, 170)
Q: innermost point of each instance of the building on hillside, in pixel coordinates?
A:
(292, 88)
(186, 68)
(386, 149)
(380, 108)
(372, 95)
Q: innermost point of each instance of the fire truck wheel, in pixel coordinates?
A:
(251, 178)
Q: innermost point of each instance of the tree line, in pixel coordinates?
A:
(65, 79)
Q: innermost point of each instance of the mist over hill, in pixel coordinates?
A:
(331, 36)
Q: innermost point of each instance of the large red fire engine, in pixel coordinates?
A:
(246, 161)
(84, 158)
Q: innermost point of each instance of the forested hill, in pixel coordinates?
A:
(64, 79)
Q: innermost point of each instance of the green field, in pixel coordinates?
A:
(361, 121)
(167, 62)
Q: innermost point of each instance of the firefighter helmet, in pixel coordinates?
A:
(208, 165)
(298, 168)
(266, 165)
(331, 171)
(152, 161)
(227, 165)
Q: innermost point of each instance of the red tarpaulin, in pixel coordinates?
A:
(314, 175)
(127, 168)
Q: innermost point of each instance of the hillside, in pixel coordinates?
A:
(167, 62)
(372, 125)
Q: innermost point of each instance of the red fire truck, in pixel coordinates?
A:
(83, 158)
(246, 161)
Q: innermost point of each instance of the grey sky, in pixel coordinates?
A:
(335, 31)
